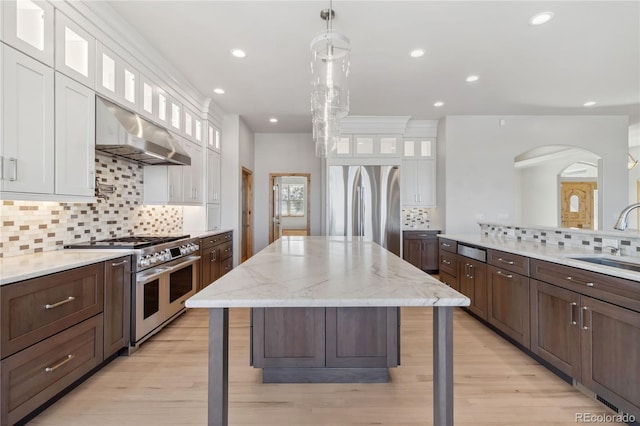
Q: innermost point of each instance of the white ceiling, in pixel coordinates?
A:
(589, 51)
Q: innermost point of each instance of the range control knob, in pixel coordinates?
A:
(183, 249)
(145, 261)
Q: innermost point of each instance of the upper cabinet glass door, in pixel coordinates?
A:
(75, 51)
(418, 148)
(28, 26)
(213, 138)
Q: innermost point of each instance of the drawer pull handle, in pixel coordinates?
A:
(62, 302)
(508, 262)
(505, 275)
(580, 282)
(445, 245)
(60, 364)
(584, 318)
(446, 262)
(119, 263)
(572, 320)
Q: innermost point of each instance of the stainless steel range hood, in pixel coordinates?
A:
(126, 134)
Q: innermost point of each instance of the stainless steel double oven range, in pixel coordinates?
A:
(164, 274)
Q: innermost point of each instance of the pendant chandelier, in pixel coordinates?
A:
(330, 91)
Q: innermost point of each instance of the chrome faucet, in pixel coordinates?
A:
(613, 250)
(622, 223)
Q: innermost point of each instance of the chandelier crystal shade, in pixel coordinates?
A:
(330, 56)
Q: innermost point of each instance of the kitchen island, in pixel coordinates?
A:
(327, 272)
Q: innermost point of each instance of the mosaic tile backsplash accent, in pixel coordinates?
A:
(35, 226)
(628, 243)
(416, 217)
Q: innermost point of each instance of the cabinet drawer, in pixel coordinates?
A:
(226, 250)
(211, 241)
(36, 309)
(215, 239)
(226, 266)
(508, 261)
(614, 290)
(32, 376)
(448, 245)
(448, 263)
(449, 280)
(419, 235)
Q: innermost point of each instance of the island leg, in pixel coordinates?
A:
(218, 401)
(443, 366)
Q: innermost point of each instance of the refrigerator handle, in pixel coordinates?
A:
(358, 209)
(362, 207)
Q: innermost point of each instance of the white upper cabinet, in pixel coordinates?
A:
(418, 183)
(174, 111)
(213, 137)
(116, 79)
(192, 178)
(368, 146)
(27, 148)
(343, 147)
(419, 148)
(192, 126)
(75, 51)
(163, 107)
(75, 138)
(213, 177)
(28, 26)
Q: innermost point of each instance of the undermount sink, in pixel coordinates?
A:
(607, 261)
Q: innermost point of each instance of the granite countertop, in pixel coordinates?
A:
(19, 268)
(325, 272)
(551, 252)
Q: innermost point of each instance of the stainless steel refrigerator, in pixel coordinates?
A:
(365, 201)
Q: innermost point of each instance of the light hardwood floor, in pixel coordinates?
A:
(164, 383)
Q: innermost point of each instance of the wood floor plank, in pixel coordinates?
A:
(165, 383)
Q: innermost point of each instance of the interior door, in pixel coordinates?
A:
(577, 204)
(277, 210)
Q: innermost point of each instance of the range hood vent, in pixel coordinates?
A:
(125, 134)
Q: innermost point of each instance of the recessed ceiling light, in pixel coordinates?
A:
(417, 53)
(219, 91)
(273, 120)
(238, 53)
(472, 78)
(438, 104)
(589, 103)
(541, 18)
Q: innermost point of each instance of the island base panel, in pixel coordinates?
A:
(325, 375)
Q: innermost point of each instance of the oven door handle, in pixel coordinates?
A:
(147, 278)
(189, 261)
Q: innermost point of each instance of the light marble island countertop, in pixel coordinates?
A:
(562, 255)
(325, 272)
(27, 266)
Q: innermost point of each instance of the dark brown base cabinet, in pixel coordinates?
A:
(216, 258)
(420, 248)
(56, 329)
(472, 279)
(595, 342)
(325, 344)
(508, 295)
(117, 305)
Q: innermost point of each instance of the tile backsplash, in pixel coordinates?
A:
(416, 217)
(35, 226)
(627, 242)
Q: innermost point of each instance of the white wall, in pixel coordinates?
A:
(237, 151)
(480, 180)
(283, 153)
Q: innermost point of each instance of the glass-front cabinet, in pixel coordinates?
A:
(368, 146)
(117, 79)
(28, 26)
(418, 148)
(75, 51)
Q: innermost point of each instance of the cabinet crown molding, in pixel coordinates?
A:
(374, 124)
